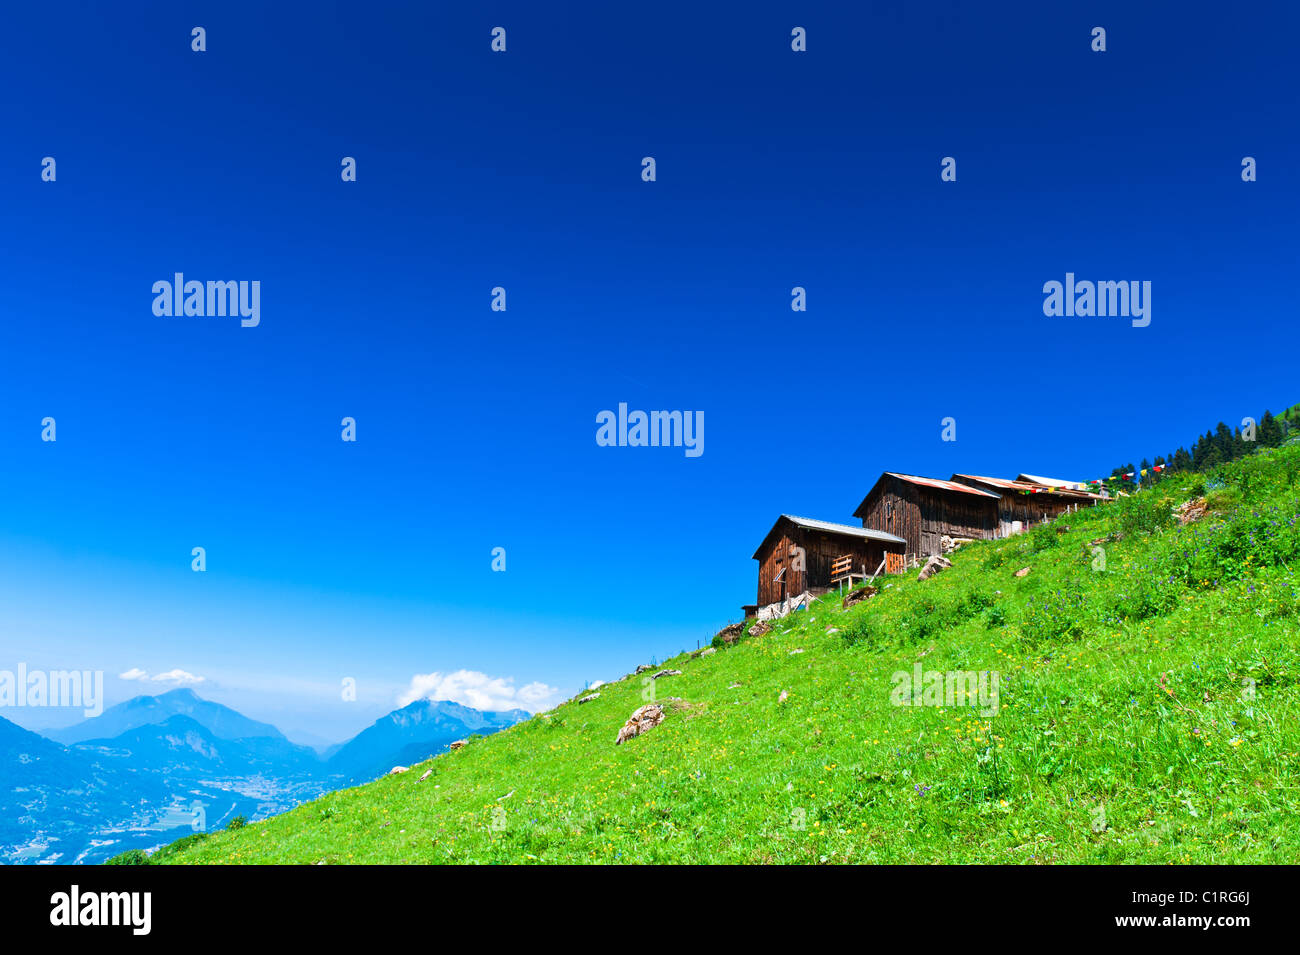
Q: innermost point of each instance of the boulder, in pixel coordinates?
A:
(932, 566)
(427, 774)
(858, 595)
(760, 628)
(1190, 511)
(949, 544)
(643, 719)
(666, 673)
(731, 633)
(458, 744)
(706, 651)
(643, 667)
(589, 697)
(396, 770)
(1022, 572)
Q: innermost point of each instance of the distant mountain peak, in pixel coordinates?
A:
(459, 709)
(182, 693)
(420, 729)
(221, 721)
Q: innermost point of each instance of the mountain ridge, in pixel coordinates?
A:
(73, 801)
(421, 728)
(143, 710)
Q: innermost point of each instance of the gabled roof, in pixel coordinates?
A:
(1046, 482)
(941, 485)
(999, 482)
(843, 530)
(1031, 487)
(1067, 488)
(934, 483)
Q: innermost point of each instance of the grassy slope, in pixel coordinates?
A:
(1122, 689)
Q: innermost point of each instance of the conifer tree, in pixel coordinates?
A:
(1223, 441)
(1201, 450)
(1270, 432)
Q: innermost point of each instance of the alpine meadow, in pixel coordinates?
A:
(1146, 714)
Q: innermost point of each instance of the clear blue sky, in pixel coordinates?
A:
(476, 428)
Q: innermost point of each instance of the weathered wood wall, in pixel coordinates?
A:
(1028, 509)
(769, 565)
(820, 551)
(894, 511)
(954, 514)
(922, 515)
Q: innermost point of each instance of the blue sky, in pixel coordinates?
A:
(522, 169)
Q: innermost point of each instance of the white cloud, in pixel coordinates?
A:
(478, 690)
(174, 677)
(178, 678)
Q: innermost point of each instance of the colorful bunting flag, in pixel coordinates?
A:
(1100, 483)
(1134, 476)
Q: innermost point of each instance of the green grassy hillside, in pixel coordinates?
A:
(1147, 713)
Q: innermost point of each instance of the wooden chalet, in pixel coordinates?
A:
(801, 554)
(1023, 503)
(923, 510)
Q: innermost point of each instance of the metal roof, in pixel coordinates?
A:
(923, 482)
(844, 530)
(1024, 485)
(1046, 482)
(941, 485)
(1065, 486)
(998, 482)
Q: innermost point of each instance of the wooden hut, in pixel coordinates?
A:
(797, 554)
(1023, 504)
(923, 510)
